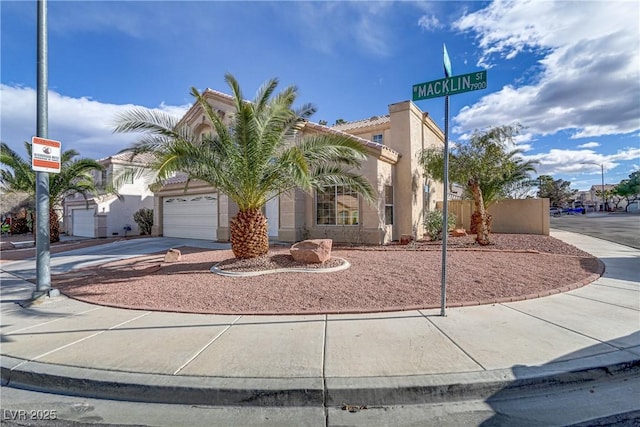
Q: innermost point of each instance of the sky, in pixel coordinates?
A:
(567, 71)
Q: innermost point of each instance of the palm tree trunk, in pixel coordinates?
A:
(54, 226)
(482, 234)
(249, 234)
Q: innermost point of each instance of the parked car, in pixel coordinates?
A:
(555, 211)
(575, 211)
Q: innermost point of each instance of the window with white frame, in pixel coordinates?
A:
(388, 205)
(378, 138)
(337, 205)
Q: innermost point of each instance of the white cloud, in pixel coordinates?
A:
(589, 82)
(83, 124)
(589, 145)
(564, 161)
(430, 23)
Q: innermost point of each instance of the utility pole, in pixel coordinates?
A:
(602, 187)
(43, 272)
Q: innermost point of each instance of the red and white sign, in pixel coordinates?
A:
(45, 155)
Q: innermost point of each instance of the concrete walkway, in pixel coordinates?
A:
(71, 347)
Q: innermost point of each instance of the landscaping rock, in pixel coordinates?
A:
(313, 251)
(459, 232)
(173, 255)
(405, 239)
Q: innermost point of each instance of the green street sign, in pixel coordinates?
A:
(450, 86)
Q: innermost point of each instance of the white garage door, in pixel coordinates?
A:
(83, 222)
(190, 217)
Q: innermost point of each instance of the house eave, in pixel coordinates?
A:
(379, 151)
(195, 110)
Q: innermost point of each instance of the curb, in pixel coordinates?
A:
(566, 288)
(315, 392)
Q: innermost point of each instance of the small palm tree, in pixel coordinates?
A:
(74, 177)
(485, 166)
(254, 156)
(514, 170)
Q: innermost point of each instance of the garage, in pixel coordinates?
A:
(190, 217)
(83, 222)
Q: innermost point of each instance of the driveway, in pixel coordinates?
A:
(620, 228)
(83, 257)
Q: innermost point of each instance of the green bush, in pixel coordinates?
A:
(433, 224)
(144, 219)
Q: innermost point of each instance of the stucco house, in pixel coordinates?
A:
(109, 215)
(593, 198)
(392, 142)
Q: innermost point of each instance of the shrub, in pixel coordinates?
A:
(433, 224)
(144, 219)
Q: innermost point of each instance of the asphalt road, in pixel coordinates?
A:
(621, 228)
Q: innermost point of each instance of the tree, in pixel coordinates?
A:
(487, 168)
(322, 122)
(340, 122)
(630, 188)
(255, 156)
(144, 218)
(557, 191)
(606, 196)
(74, 177)
(514, 174)
(615, 198)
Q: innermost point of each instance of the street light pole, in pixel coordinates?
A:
(602, 187)
(603, 202)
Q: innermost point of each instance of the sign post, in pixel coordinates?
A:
(450, 85)
(45, 158)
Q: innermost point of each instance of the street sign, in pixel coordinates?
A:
(450, 86)
(45, 155)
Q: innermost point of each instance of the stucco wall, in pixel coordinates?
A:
(411, 131)
(113, 213)
(518, 216)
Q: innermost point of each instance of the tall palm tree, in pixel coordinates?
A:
(74, 177)
(252, 156)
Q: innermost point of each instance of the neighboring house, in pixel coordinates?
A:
(596, 197)
(392, 168)
(592, 198)
(109, 215)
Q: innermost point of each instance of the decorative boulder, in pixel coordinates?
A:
(313, 251)
(459, 232)
(405, 239)
(173, 255)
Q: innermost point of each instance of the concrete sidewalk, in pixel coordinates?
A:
(66, 346)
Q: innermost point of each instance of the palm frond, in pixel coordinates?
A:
(145, 120)
(252, 154)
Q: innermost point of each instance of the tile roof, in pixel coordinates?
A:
(179, 178)
(380, 147)
(125, 156)
(372, 121)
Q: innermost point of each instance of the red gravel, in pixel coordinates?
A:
(379, 279)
